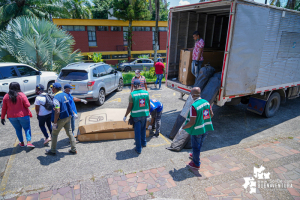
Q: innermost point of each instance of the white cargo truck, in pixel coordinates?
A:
(256, 47)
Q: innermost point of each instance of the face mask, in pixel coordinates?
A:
(37, 92)
(71, 91)
(137, 75)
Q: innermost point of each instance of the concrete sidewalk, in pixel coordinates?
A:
(268, 169)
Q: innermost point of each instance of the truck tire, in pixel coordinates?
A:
(101, 97)
(127, 69)
(49, 89)
(272, 105)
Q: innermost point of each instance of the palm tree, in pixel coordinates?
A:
(33, 8)
(38, 43)
(78, 9)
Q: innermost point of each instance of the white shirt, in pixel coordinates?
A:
(41, 101)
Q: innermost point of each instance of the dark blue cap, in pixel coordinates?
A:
(57, 85)
(137, 82)
(67, 86)
(40, 87)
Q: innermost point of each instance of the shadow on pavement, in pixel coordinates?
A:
(183, 174)
(234, 124)
(127, 154)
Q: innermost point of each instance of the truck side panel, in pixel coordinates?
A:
(281, 53)
(246, 49)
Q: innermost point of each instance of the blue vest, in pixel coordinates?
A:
(156, 105)
(72, 103)
(65, 107)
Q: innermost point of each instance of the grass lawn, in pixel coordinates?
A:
(127, 76)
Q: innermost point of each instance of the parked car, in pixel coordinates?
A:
(28, 77)
(136, 64)
(91, 81)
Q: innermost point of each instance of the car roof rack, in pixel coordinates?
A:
(97, 64)
(74, 63)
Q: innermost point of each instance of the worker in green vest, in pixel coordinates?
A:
(198, 122)
(139, 106)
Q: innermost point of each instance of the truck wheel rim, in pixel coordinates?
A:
(50, 92)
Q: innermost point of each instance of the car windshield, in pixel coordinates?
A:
(73, 75)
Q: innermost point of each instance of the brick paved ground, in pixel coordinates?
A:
(291, 172)
(297, 138)
(216, 165)
(271, 151)
(232, 190)
(66, 193)
(140, 183)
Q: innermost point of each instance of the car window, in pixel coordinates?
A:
(26, 71)
(146, 61)
(95, 72)
(8, 72)
(108, 69)
(101, 71)
(73, 75)
(138, 61)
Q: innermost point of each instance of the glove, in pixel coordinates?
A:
(124, 119)
(75, 116)
(54, 126)
(3, 121)
(180, 130)
(149, 127)
(149, 119)
(83, 101)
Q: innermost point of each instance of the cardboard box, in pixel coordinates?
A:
(185, 67)
(103, 120)
(214, 58)
(108, 136)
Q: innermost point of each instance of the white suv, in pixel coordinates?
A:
(26, 76)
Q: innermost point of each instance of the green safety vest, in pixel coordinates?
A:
(140, 103)
(203, 120)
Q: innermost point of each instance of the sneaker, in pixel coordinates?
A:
(191, 156)
(72, 152)
(137, 151)
(30, 146)
(49, 152)
(144, 145)
(47, 140)
(21, 145)
(156, 135)
(192, 165)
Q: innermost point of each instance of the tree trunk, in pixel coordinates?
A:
(156, 29)
(291, 4)
(150, 6)
(129, 39)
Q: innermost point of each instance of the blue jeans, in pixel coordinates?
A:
(197, 142)
(46, 119)
(196, 65)
(140, 132)
(73, 124)
(19, 123)
(159, 78)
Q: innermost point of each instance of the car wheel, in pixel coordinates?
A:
(101, 98)
(120, 86)
(272, 105)
(127, 69)
(49, 89)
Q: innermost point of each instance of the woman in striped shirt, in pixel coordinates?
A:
(141, 78)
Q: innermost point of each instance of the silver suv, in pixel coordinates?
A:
(28, 77)
(91, 81)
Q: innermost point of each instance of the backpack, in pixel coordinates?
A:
(49, 102)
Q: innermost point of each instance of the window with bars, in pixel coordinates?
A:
(92, 36)
(140, 28)
(115, 28)
(73, 28)
(102, 28)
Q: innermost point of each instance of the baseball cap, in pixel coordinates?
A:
(56, 85)
(67, 86)
(40, 86)
(136, 82)
(137, 71)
